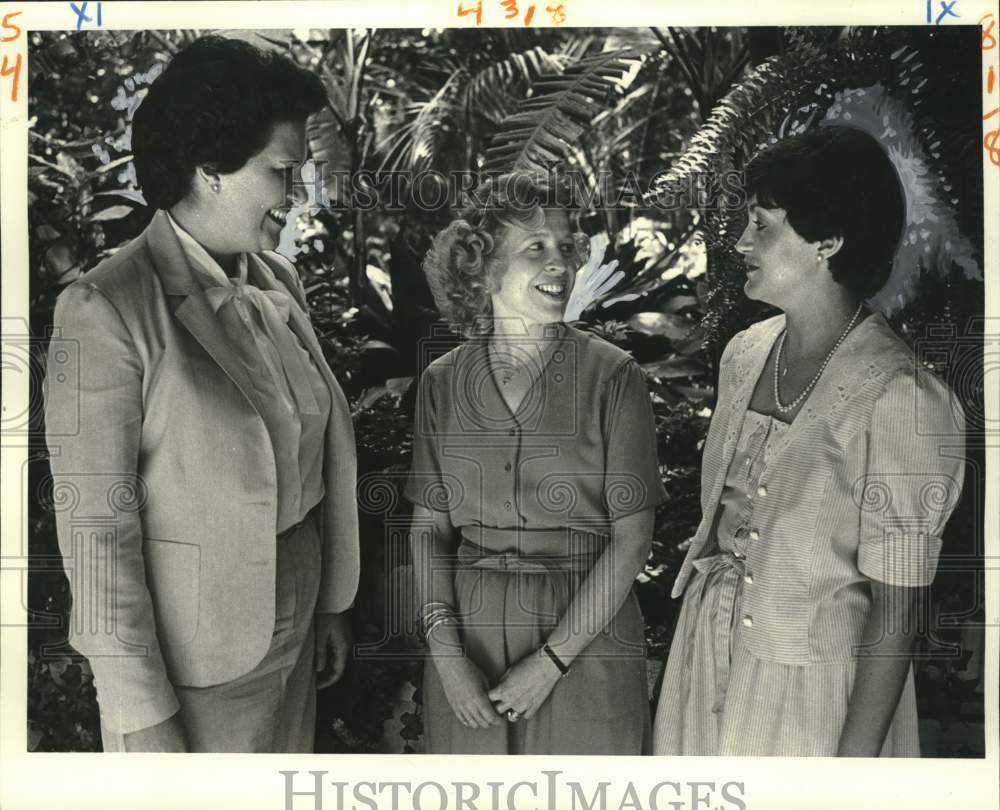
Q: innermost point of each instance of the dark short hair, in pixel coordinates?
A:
(466, 256)
(836, 181)
(215, 104)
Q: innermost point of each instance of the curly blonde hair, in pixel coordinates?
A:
(466, 259)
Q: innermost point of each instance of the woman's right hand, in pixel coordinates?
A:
(466, 688)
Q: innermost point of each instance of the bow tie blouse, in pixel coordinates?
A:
(289, 392)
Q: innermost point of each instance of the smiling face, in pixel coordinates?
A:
(541, 264)
(781, 265)
(251, 205)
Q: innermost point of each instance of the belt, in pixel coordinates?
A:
(733, 570)
(472, 555)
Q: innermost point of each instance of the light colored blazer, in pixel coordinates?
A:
(860, 489)
(164, 480)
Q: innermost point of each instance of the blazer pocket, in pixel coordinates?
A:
(173, 576)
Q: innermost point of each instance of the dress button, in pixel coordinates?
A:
(508, 505)
(748, 621)
(762, 491)
(507, 466)
(748, 579)
(754, 534)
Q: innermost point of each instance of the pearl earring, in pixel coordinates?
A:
(215, 187)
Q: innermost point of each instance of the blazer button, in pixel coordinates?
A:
(507, 466)
(512, 432)
(762, 491)
(508, 505)
(754, 534)
(748, 621)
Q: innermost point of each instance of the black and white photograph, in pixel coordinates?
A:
(500, 377)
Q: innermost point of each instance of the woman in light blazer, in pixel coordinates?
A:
(201, 449)
(832, 464)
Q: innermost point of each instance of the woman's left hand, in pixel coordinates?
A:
(333, 647)
(525, 686)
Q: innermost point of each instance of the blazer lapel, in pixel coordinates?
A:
(189, 304)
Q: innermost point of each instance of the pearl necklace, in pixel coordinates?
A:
(791, 406)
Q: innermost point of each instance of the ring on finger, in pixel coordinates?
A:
(513, 715)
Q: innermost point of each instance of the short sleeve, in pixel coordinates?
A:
(632, 480)
(913, 479)
(424, 482)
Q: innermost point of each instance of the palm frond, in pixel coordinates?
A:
(789, 93)
(411, 143)
(456, 101)
(559, 111)
(491, 91)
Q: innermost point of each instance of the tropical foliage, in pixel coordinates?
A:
(646, 124)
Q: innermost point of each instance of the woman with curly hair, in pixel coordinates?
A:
(222, 584)
(534, 481)
(830, 469)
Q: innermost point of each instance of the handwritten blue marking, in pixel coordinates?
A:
(81, 14)
(946, 10)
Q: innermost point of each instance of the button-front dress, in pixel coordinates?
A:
(777, 583)
(533, 495)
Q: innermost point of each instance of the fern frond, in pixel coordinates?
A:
(493, 91)
(558, 113)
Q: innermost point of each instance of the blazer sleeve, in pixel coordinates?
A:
(913, 479)
(93, 414)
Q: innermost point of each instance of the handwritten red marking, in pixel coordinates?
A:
(992, 148)
(8, 24)
(6, 68)
(987, 33)
(557, 12)
(477, 10)
(988, 42)
(12, 70)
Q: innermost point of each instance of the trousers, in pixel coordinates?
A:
(271, 708)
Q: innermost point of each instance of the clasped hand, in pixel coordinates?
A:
(524, 688)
